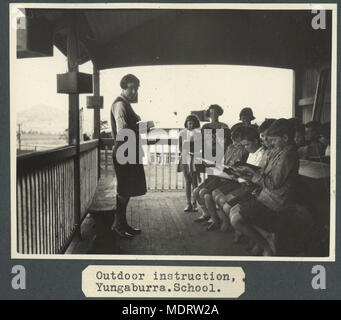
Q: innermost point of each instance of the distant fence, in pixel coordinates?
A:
(27, 147)
(161, 164)
(46, 193)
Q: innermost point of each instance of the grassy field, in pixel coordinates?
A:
(39, 142)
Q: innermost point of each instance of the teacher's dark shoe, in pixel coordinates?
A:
(122, 233)
(133, 231)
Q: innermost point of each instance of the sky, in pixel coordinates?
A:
(167, 93)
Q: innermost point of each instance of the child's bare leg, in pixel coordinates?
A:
(226, 224)
(188, 186)
(188, 191)
(198, 197)
(237, 235)
(194, 185)
(210, 205)
(239, 224)
(221, 214)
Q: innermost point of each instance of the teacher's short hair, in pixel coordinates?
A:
(129, 78)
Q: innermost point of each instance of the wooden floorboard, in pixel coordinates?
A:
(166, 230)
(180, 237)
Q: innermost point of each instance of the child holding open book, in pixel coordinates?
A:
(230, 194)
(277, 182)
(203, 193)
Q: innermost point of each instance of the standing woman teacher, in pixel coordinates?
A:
(130, 177)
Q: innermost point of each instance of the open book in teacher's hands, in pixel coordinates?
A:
(150, 125)
(147, 124)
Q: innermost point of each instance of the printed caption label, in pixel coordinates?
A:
(163, 282)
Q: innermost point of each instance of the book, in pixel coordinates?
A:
(242, 165)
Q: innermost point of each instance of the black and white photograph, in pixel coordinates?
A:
(173, 131)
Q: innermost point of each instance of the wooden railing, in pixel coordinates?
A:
(88, 174)
(46, 215)
(162, 158)
(161, 163)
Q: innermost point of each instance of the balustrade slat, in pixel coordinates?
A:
(106, 158)
(162, 167)
(169, 167)
(63, 220)
(29, 214)
(41, 210)
(35, 178)
(25, 215)
(36, 183)
(71, 199)
(59, 215)
(49, 173)
(62, 214)
(58, 206)
(55, 207)
(156, 161)
(45, 210)
(19, 217)
(47, 218)
(86, 189)
(50, 212)
(47, 225)
(67, 199)
(33, 215)
(149, 164)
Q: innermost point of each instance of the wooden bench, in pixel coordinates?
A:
(96, 227)
(103, 207)
(308, 223)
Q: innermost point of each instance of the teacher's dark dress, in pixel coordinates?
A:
(131, 180)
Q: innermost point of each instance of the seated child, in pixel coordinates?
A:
(277, 181)
(250, 139)
(203, 193)
(325, 139)
(314, 149)
(300, 135)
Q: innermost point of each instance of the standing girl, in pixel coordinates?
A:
(188, 138)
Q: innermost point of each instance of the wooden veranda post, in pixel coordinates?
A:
(320, 93)
(97, 115)
(74, 134)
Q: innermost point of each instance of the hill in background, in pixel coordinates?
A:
(43, 119)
